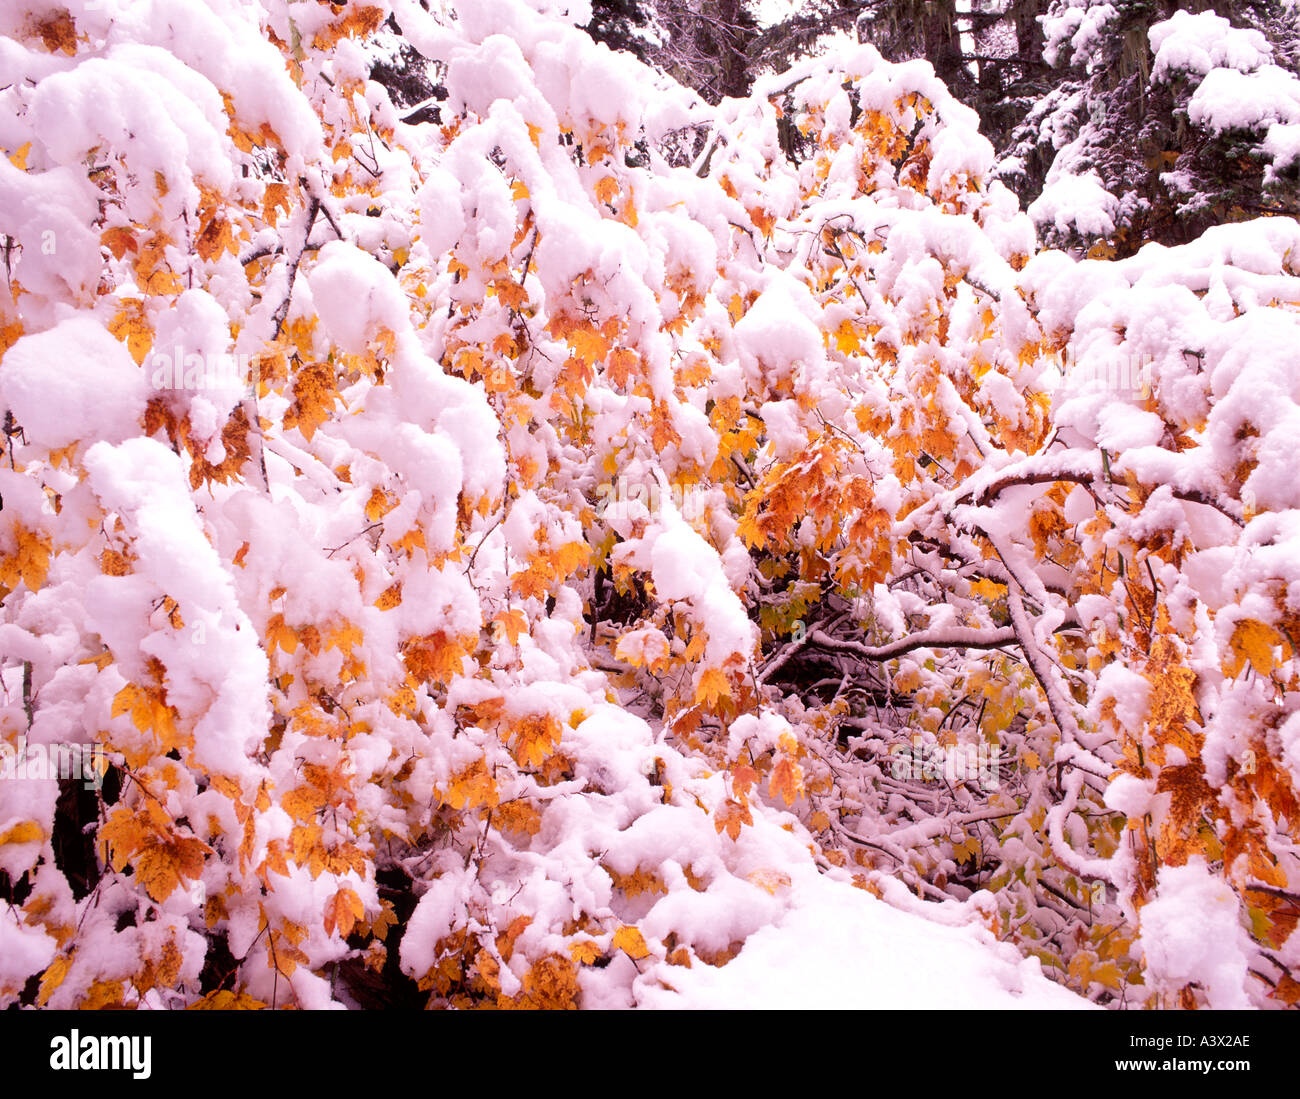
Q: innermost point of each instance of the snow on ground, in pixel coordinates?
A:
(839, 947)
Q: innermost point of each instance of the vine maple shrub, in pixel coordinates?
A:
(401, 687)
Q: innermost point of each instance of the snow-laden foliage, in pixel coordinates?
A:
(524, 555)
(1162, 126)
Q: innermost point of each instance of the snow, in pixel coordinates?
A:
(216, 669)
(1197, 43)
(839, 948)
(1237, 85)
(1076, 203)
(1192, 933)
(73, 382)
(381, 605)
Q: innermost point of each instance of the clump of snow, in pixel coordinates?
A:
(1076, 204)
(1192, 934)
(73, 382)
(1199, 42)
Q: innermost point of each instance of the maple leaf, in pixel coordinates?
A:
(153, 273)
(164, 865)
(518, 816)
(510, 624)
(589, 346)
(630, 940)
(1254, 641)
(30, 563)
(58, 31)
(473, 787)
(391, 597)
(280, 635)
(357, 22)
(109, 995)
(621, 365)
(18, 158)
(387, 918)
(769, 880)
(119, 241)
(712, 686)
(586, 952)
(552, 983)
(130, 326)
(274, 199)
(638, 882)
(743, 777)
(344, 637)
(27, 831)
(215, 238)
(730, 818)
(846, 338)
(607, 189)
(149, 713)
(379, 504)
(303, 802)
(511, 294)
(55, 974)
(535, 737)
(342, 911)
(314, 397)
(223, 999)
(435, 658)
(786, 780)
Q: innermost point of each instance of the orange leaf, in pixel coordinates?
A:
(343, 910)
(607, 189)
(712, 686)
(787, 780)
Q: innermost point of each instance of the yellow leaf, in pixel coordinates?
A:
(162, 866)
(589, 346)
(769, 880)
(391, 597)
(130, 327)
(29, 563)
(223, 999)
(379, 505)
(473, 787)
(586, 952)
(631, 942)
(607, 189)
(53, 976)
(846, 338)
(59, 32)
(535, 737)
(26, 832)
(1253, 641)
(712, 686)
(19, 157)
